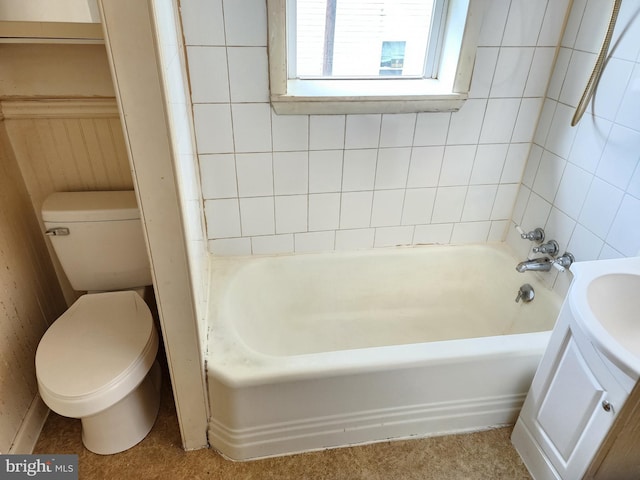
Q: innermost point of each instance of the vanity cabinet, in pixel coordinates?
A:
(619, 455)
(572, 404)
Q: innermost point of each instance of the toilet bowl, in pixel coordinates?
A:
(97, 362)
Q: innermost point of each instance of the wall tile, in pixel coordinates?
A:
(527, 120)
(387, 207)
(209, 76)
(252, 127)
(314, 242)
(531, 168)
(600, 207)
(272, 244)
(536, 212)
(397, 130)
(628, 113)
(355, 209)
(524, 22)
(592, 27)
(493, 26)
(458, 170)
(540, 72)
(393, 236)
(512, 72)
(620, 156)
(431, 129)
(359, 170)
(466, 123)
(418, 205)
(554, 17)
(472, 232)
(488, 164)
(591, 138)
(626, 36)
(326, 132)
(255, 174)
(392, 168)
(559, 73)
(324, 211)
(213, 128)
(584, 245)
(218, 176)
(560, 227)
(355, 239)
(549, 175)
(230, 246)
(257, 216)
(611, 88)
(248, 74)
(561, 134)
(486, 58)
(362, 131)
(290, 172)
(499, 120)
(449, 204)
(504, 203)
(479, 203)
(202, 22)
(624, 235)
(325, 171)
(434, 233)
(289, 132)
(457, 164)
(544, 122)
(572, 190)
(515, 162)
(425, 165)
(245, 22)
(291, 213)
(222, 218)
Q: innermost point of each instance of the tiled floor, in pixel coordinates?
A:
(485, 455)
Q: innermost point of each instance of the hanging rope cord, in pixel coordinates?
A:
(598, 67)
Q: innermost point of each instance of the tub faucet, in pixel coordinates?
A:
(544, 264)
(535, 265)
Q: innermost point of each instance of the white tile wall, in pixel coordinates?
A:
(581, 183)
(307, 183)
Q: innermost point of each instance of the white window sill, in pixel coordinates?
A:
(366, 96)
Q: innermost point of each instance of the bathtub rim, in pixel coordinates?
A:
(269, 369)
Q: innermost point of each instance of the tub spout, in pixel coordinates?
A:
(536, 265)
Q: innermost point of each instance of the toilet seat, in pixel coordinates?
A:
(96, 353)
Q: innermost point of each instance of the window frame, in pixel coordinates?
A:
(406, 95)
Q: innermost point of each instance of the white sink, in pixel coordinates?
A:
(605, 299)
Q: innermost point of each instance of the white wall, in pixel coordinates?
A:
(308, 183)
(582, 184)
(176, 91)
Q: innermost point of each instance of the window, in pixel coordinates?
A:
(371, 56)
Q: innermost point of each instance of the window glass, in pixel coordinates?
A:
(362, 38)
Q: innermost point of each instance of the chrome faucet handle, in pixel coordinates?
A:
(536, 235)
(550, 248)
(526, 293)
(563, 262)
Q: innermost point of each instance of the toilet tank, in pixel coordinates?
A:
(98, 239)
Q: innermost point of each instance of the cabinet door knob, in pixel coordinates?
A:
(606, 406)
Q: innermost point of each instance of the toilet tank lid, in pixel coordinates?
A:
(90, 206)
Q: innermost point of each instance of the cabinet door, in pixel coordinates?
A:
(575, 406)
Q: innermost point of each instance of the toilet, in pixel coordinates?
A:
(97, 361)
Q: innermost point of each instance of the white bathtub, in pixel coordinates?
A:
(323, 350)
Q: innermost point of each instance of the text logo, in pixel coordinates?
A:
(50, 467)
